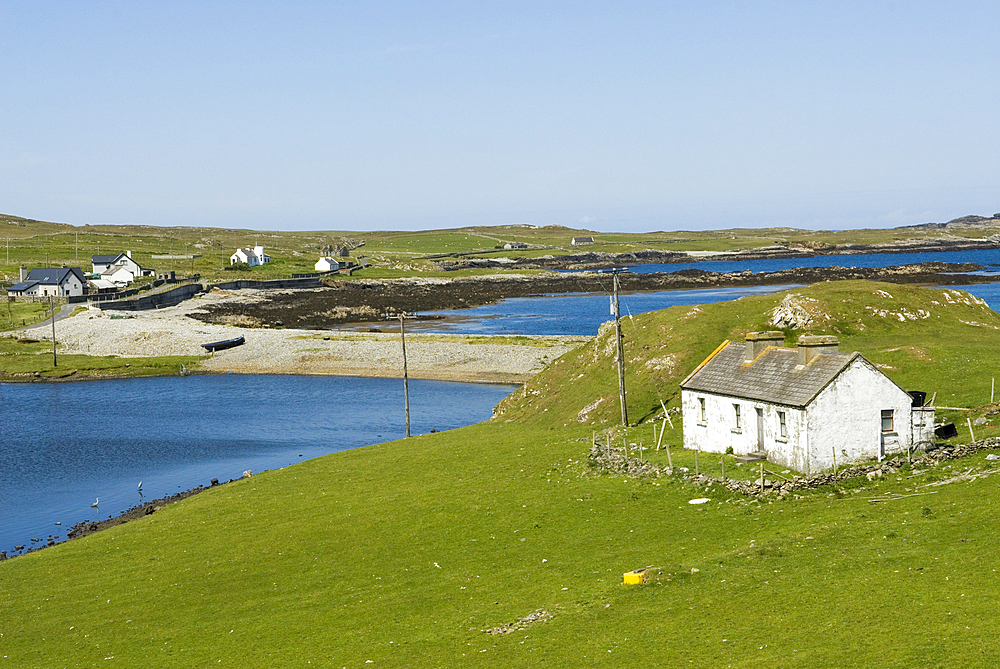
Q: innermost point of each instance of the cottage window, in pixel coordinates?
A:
(887, 420)
(701, 406)
(782, 425)
(736, 409)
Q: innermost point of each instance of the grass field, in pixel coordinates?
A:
(357, 557)
(406, 554)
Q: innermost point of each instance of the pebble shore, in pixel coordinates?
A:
(170, 331)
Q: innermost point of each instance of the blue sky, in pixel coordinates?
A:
(632, 116)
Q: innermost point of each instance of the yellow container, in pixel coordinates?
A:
(636, 576)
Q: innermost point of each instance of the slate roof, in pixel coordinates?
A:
(23, 286)
(105, 260)
(53, 276)
(772, 377)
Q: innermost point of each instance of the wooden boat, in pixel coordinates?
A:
(224, 344)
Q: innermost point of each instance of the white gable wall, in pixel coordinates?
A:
(847, 416)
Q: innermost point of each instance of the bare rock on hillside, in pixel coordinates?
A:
(797, 312)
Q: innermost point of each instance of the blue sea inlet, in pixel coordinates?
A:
(63, 445)
(582, 313)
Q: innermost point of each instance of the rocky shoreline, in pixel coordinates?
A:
(599, 260)
(369, 300)
(85, 527)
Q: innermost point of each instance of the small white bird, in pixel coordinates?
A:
(94, 505)
(140, 485)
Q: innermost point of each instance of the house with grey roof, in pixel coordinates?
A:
(806, 408)
(253, 257)
(107, 265)
(56, 281)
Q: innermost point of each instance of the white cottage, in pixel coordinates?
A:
(800, 408)
(327, 264)
(252, 257)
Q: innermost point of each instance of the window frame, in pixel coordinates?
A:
(889, 414)
(782, 425)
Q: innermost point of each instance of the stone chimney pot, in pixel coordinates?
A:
(758, 341)
(811, 346)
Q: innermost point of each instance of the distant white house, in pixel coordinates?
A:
(120, 276)
(109, 264)
(252, 257)
(805, 409)
(56, 281)
(327, 264)
(581, 241)
(510, 246)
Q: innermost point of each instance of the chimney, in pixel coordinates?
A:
(812, 345)
(128, 254)
(24, 273)
(758, 341)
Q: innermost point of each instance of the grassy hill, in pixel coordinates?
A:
(407, 554)
(924, 339)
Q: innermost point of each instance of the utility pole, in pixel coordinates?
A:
(618, 333)
(53, 312)
(406, 381)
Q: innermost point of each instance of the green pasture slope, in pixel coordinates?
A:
(404, 554)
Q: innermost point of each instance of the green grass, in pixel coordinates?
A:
(353, 557)
(24, 360)
(393, 253)
(17, 315)
(405, 553)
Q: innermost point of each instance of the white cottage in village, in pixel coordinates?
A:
(327, 264)
(252, 257)
(107, 265)
(799, 408)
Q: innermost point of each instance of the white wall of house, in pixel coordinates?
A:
(326, 265)
(846, 416)
(120, 275)
(719, 430)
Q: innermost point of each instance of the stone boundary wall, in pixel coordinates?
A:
(167, 298)
(612, 460)
(175, 296)
(274, 284)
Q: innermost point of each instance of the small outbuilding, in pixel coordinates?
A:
(514, 246)
(806, 409)
(582, 241)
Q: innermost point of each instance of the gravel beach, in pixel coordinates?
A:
(170, 331)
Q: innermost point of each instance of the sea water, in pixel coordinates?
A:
(63, 445)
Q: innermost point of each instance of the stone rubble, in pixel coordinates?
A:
(612, 460)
